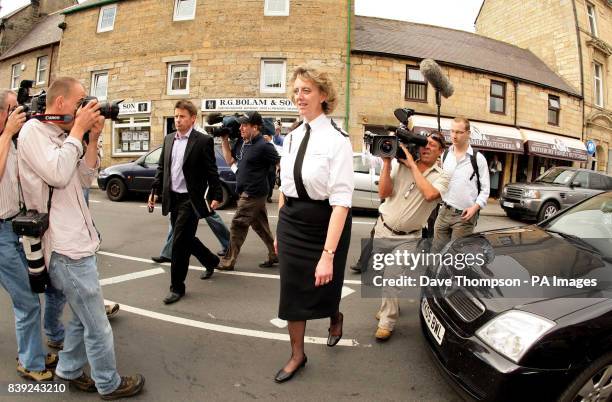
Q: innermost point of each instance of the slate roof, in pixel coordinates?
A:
(42, 34)
(455, 48)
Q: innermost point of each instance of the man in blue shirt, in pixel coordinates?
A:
(251, 159)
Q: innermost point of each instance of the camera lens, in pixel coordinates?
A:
(386, 146)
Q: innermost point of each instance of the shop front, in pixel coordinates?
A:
(131, 133)
(545, 150)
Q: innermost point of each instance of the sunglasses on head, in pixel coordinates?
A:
(437, 137)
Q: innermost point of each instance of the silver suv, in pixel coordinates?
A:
(556, 189)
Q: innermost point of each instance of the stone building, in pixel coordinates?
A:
(504, 90)
(225, 56)
(574, 38)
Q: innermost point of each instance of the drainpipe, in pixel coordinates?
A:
(347, 105)
(515, 102)
(581, 70)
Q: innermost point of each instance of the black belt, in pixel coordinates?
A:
(290, 200)
(453, 209)
(396, 232)
(179, 195)
(8, 219)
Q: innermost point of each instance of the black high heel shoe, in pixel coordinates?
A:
(332, 340)
(283, 375)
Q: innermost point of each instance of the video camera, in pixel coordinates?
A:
(229, 125)
(387, 146)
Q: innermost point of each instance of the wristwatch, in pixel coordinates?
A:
(330, 252)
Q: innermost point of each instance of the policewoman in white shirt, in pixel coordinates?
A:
(314, 226)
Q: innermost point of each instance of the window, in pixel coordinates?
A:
(416, 85)
(597, 182)
(598, 83)
(41, 69)
(178, 79)
(106, 19)
(15, 74)
(592, 21)
(99, 85)
(132, 135)
(276, 8)
(153, 157)
(498, 97)
(273, 76)
(184, 10)
(554, 107)
(581, 178)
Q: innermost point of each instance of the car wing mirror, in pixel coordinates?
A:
(576, 184)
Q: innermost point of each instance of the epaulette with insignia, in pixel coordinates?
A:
(341, 131)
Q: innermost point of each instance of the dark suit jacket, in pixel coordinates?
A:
(199, 168)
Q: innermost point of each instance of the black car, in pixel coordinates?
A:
(137, 177)
(532, 343)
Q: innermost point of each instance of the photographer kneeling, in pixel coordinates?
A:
(411, 191)
(52, 162)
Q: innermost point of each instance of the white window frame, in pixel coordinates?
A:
(272, 13)
(262, 78)
(94, 87)
(15, 75)
(169, 89)
(130, 124)
(598, 83)
(40, 71)
(100, 18)
(177, 17)
(592, 16)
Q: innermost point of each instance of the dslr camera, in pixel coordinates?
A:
(30, 226)
(32, 105)
(387, 146)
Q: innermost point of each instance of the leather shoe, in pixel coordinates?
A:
(222, 253)
(173, 297)
(207, 274)
(332, 340)
(356, 268)
(269, 263)
(283, 375)
(161, 259)
(382, 334)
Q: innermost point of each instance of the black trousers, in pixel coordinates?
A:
(185, 224)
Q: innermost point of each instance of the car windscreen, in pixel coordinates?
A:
(588, 222)
(556, 176)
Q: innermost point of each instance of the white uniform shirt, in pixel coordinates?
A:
(327, 171)
(462, 192)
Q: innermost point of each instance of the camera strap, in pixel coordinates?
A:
(54, 118)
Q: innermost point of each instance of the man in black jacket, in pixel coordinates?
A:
(186, 169)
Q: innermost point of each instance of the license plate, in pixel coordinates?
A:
(434, 325)
(508, 204)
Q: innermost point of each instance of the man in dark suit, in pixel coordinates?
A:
(186, 169)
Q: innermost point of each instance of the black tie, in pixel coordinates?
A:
(297, 167)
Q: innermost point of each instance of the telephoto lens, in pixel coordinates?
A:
(37, 272)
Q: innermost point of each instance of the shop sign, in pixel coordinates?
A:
(247, 104)
(135, 108)
(481, 140)
(557, 150)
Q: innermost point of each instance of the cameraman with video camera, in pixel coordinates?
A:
(251, 158)
(410, 190)
(32, 360)
(53, 171)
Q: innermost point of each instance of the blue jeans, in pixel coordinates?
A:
(26, 305)
(216, 225)
(89, 337)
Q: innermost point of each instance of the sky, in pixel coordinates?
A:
(457, 14)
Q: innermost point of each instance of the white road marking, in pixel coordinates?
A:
(226, 329)
(346, 291)
(129, 277)
(278, 323)
(196, 268)
(96, 201)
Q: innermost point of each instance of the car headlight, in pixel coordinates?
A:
(505, 191)
(514, 332)
(528, 193)
(103, 173)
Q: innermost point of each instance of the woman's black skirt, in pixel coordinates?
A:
(301, 233)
